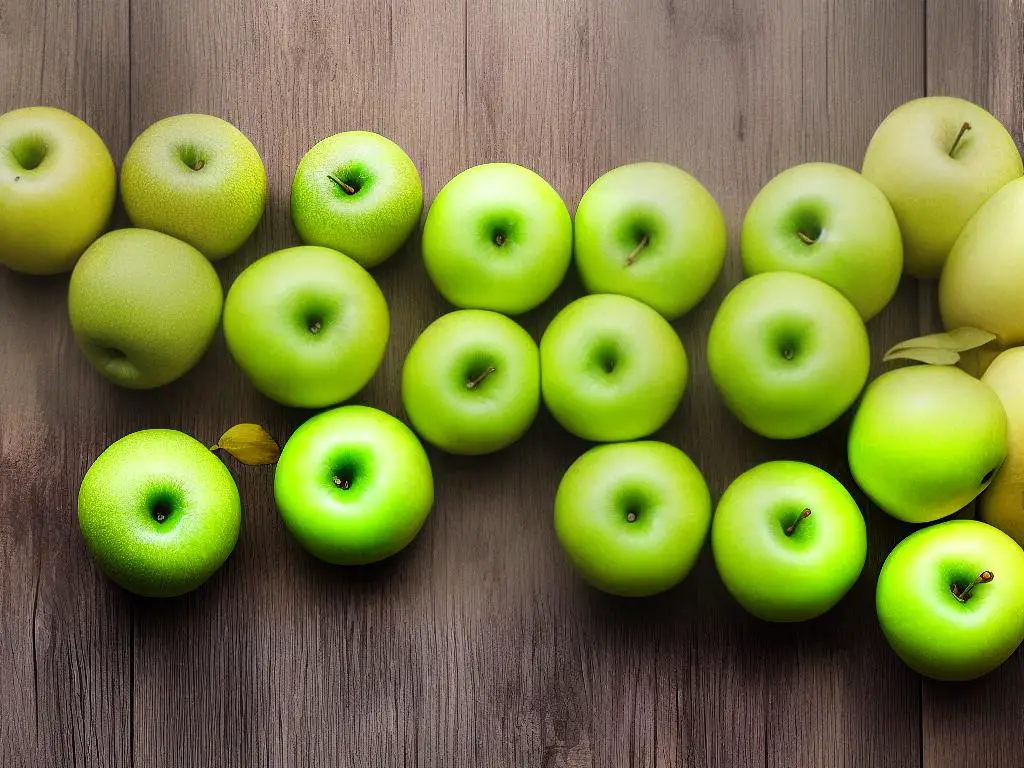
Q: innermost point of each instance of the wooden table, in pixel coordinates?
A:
(478, 646)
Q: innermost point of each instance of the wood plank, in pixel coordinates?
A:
(733, 94)
(65, 637)
(975, 53)
(281, 660)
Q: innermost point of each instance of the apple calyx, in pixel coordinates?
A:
(342, 482)
(499, 239)
(956, 142)
(474, 383)
(964, 595)
(348, 189)
(789, 529)
(636, 251)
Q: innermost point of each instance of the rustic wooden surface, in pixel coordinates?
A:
(477, 646)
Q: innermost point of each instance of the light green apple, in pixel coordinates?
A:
(359, 193)
(497, 237)
(938, 159)
(829, 222)
(950, 599)
(143, 306)
(982, 283)
(653, 232)
(926, 440)
(632, 517)
(197, 178)
(788, 353)
(353, 485)
(788, 541)
(471, 382)
(307, 325)
(159, 512)
(611, 368)
(57, 189)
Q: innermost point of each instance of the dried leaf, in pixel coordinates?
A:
(957, 340)
(249, 443)
(930, 355)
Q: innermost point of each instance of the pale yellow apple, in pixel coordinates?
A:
(1002, 505)
(982, 284)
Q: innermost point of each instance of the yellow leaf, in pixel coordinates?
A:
(957, 340)
(930, 355)
(249, 443)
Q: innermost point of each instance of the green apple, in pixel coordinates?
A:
(611, 368)
(828, 222)
(926, 440)
(497, 237)
(950, 599)
(632, 517)
(937, 159)
(57, 189)
(307, 325)
(983, 280)
(197, 178)
(653, 232)
(471, 382)
(143, 306)
(788, 541)
(353, 485)
(359, 193)
(788, 353)
(159, 512)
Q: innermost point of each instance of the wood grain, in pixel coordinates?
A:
(478, 646)
(975, 52)
(65, 636)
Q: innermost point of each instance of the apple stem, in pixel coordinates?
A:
(956, 142)
(631, 517)
(792, 526)
(636, 251)
(198, 166)
(474, 383)
(808, 240)
(983, 578)
(348, 188)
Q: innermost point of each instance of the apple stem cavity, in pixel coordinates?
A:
(956, 142)
(347, 188)
(791, 528)
(474, 383)
(963, 596)
(636, 251)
